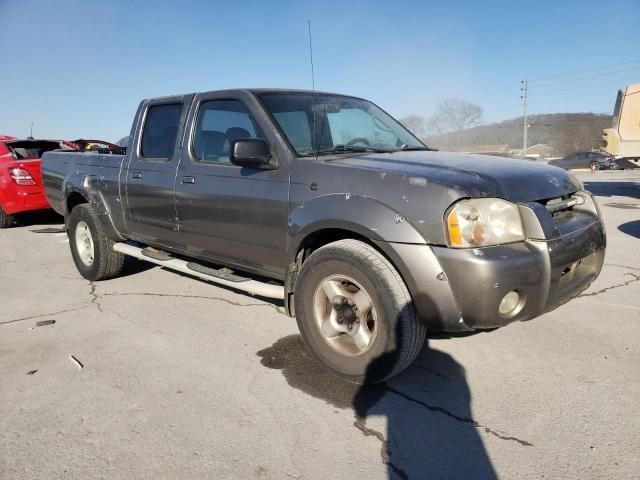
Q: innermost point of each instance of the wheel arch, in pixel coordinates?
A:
(90, 194)
(353, 217)
(74, 199)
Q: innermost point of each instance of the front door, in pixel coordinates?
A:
(226, 213)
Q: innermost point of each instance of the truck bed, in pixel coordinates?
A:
(58, 167)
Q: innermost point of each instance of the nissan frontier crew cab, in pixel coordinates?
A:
(328, 203)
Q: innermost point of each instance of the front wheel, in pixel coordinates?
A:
(355, 313)
(91, 249)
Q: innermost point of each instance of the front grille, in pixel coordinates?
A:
(560, 205)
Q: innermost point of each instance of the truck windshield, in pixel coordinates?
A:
(321, 124)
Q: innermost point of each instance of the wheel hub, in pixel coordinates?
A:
(347, 314)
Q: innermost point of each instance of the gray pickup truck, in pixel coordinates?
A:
(326, 202)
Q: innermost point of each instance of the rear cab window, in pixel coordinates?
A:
(160, 131)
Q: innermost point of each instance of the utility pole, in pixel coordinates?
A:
(525, 90)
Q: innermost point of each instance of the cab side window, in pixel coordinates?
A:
(161, 131)
(219, 124)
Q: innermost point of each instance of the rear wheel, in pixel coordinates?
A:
(5, 220)
(91, 249)
(355, 313)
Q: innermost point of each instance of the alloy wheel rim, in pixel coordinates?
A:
(84, 243)
(345, 315)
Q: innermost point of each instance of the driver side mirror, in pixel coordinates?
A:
(251, 153)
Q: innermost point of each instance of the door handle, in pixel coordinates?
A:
(190, 180)
(136, 175)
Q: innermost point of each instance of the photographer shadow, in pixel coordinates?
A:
(430, 430)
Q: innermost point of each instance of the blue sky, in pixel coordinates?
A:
(78, 68)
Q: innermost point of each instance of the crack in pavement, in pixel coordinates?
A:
(203, 297)
(43, 315)
(95, 298)
(603, 290)
(468, 420)
(622, 266)
(361, 424)
(415, 365)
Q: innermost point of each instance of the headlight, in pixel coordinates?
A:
(480, 222)
(575, 179)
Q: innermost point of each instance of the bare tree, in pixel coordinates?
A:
(415, 124)
(455, 115)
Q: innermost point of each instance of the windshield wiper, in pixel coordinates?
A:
(346, 149)
(407, 148)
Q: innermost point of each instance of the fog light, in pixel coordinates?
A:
(509, 303)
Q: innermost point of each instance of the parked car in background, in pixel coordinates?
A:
(20, 181)
(599, 160)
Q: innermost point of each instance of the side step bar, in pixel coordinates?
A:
(190, 268)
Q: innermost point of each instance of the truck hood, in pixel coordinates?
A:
(472, 175)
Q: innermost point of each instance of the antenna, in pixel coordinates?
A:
(313, 80)
(313, 89)
(31, 132)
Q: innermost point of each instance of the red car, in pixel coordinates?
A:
(20, 181)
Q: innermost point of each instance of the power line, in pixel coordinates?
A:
(580, 87)
(552, 91)
(606, 74)
(586, 70)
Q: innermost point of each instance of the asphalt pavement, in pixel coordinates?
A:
(156, 375)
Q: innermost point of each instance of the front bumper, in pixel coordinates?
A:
(460, 289)
(545, 274)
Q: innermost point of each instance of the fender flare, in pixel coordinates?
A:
(88, 187)
(364, 216)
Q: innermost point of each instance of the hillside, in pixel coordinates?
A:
(565, 132)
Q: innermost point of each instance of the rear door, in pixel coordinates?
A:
(229, 213)
(151, 171)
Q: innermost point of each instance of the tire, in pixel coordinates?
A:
(97, 261)
(6, 221)
(397, 335)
